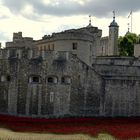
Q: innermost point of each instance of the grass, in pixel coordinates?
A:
(6, 134)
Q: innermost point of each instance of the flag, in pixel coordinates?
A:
(130, 14)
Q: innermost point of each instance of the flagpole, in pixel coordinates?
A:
(131, 21)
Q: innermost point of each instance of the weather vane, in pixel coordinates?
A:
(89, 19)
(114, 15)
(128, 27)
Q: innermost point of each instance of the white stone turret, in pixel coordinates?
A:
(113, 38)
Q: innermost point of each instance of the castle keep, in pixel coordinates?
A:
(72, 73)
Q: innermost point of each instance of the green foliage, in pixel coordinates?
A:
(126, 44)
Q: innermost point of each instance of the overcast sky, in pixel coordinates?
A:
(35, 18)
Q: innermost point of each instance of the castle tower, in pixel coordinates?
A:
(113, 37)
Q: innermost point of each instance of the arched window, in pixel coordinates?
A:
(52, 79)
(34, 79)
(2, 78)
(66, 80)
(5, 78)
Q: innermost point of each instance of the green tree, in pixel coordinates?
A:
(126, 44)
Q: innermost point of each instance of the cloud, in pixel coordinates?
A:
(43, 10)
(5, 14)
(38, 17)
(14, 5)
(4, 36)
(98, 8)
(3, 17)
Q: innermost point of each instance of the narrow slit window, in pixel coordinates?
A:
(74, 46)
(8, 78)
(51, 96)
(62, 80)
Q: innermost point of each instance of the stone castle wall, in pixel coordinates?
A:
(137, 50)
(61, 75)
(122, 97)
(103, 48)
(86, 41)
(58, 85)
(122, 85)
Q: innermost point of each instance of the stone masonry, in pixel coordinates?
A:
(74, 73)
(58, 85)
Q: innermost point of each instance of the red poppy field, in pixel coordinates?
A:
(117, 127)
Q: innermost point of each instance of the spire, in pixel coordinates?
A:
(128, 32)
(90, 20)
(89, 25)
(113, 15)
(113, 23)
(128, 27)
